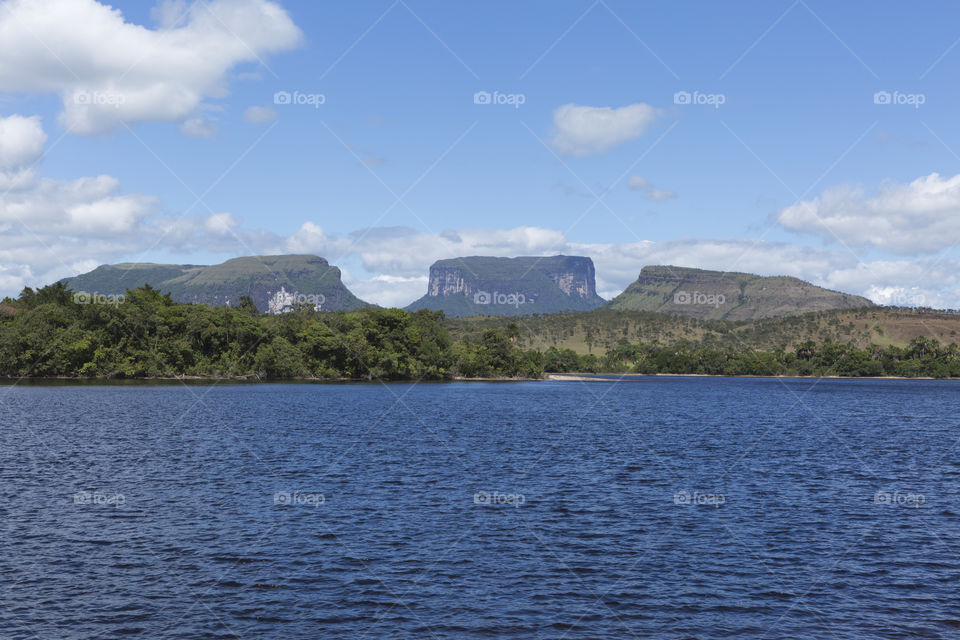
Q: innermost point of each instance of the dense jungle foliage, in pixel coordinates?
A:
(52, 332)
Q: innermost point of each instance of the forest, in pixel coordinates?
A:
(53, 332)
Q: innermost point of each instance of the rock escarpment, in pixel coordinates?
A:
(479, 285)
(274, 283)
(732, 296)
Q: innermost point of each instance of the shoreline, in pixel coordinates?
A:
(6, 380)
(615, 377)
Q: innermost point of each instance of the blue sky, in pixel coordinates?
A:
(801, 170)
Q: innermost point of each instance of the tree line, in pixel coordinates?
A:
(145, 334)
(51, 332)
(923, 357)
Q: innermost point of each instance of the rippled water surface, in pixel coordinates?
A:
(657, 508)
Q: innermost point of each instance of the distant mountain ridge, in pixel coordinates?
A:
(481, 285)
(701, 293)
(275, 283)
(477, 286)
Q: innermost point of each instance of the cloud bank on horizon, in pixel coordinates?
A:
(80, 72)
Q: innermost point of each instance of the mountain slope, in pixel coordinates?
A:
(273, 282)
(732, 296)
(479, 285)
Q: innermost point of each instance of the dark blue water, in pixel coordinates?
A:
(661, 508)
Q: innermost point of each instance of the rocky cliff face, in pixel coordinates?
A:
(480, 285)
(275, 283)
(732, 296)
(447, 281)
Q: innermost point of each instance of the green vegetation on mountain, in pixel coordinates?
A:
(296, 278)
(717, 295)
(145, 334)
(479, 285)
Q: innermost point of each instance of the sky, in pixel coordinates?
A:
(779, 137)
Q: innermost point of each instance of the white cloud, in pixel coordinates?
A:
(21, 142)
(921, 217)
(108, 71)
(639, 183)
(259, 115)
(399, 259)
(221, 223)
(405, 252)
(199, 128)
(586, 131)
(386, 290)
(170, 13)
(56, 228)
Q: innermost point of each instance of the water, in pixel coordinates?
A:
(667, 508)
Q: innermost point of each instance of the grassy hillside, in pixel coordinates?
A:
(716, 295)
(596, 331)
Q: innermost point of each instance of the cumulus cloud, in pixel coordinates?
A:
(387, 290)
(55, 228)
(921, 217)
(400, 258)
(259, 115)
(108, 71)
(21, 141)
(586, 131)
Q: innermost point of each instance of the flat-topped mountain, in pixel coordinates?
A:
(732, 296)
(479, 285)
(275, 283)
